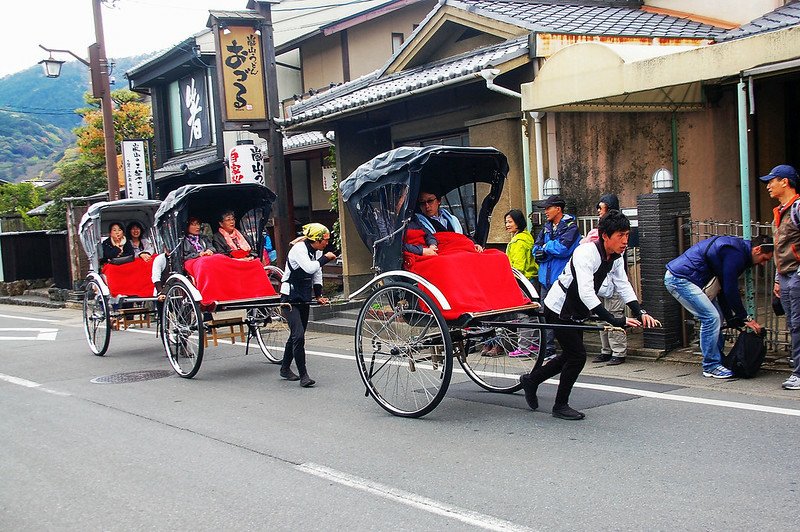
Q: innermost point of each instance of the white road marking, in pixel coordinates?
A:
(486, 522)
(29, 319)
(665, 396)
(18, 381)
(47, 335)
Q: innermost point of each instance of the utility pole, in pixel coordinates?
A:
(99, 69)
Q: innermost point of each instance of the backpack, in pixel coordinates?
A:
(747, 354)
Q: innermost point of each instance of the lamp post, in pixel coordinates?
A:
(101, 88)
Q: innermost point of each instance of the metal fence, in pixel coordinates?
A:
(777, 338)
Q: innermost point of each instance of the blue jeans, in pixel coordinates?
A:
(707, 313)
(790, 299)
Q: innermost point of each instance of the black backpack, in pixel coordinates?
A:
(747, 354)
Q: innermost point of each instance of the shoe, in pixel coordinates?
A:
(792, 383)
(492, 352)
(567, 412)
(548, 358)
(519, 353)
(289, 375)
(720, 372)
(530, 391)
(615, 361)
(602, 357)
(307, 382)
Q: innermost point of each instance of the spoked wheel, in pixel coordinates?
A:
(403, 350)
(96, 318)
(182, 330)
(270, 330)
(495, 357)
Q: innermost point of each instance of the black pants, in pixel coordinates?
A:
(297, 318)
(569, 362)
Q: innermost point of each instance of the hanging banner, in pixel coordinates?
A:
(194, 111)
(246, 163)
(135, 167)
(242, 73)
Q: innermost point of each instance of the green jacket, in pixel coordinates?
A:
(520, 256)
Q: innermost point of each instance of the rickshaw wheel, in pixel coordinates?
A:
(182, 330)
(270, 330)
(495, 357)
(96, 318)
(403, 350)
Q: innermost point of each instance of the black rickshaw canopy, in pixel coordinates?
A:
(381, 193)
(251, 203)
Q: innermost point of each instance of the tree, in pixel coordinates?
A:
(19, 198)
(82, 170)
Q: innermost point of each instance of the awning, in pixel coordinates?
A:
(618, 77)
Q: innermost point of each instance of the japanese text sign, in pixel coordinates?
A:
(242, 74)
(246, 163)
(134, 162)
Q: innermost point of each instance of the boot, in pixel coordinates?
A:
(530, 391)
(306, 381)
(289, 375)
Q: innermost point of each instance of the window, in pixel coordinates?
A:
(189, 113)
(397, 42)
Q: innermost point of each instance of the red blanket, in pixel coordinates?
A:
(221, 278)
(130, 279)
(471, 281)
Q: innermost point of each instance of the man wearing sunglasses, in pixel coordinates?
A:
(433, 218)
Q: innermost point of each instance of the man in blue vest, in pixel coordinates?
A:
(726, 258)
(553, 248)
(432, 217)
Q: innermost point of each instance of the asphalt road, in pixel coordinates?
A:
(236, 448)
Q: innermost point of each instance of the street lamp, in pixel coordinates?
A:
(101, 88)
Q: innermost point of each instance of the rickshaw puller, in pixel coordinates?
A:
(573, 299)
(302, 281)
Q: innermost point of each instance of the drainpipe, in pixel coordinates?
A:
(489, 74)
(744, 179)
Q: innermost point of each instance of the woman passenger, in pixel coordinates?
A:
(229, 241)
(140, 244)
(116, 248)
(195, 244)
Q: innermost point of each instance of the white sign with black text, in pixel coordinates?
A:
(135, 166)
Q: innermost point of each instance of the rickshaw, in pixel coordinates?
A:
(410, 327)
(102, 304)
(188, 308)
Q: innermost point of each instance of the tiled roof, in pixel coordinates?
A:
(196, 160)
(587, 19)
(305, 141)
(371, 90)
(783, 17)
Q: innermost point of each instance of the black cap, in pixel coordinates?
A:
(554, 201)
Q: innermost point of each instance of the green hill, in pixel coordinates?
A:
(37, 116)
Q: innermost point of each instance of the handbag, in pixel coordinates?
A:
(712, 287)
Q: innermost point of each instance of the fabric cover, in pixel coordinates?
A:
(221, 278)
(471, 281)
(130, 279)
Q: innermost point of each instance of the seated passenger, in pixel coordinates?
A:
(116, 248)
(229, 241)
(194, 244)
(433, 218)
(142, 248)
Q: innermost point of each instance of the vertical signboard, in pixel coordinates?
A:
(246, 164)
(242, 73)
(195, 120)
(135, 167)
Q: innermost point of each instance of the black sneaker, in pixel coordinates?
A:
(567, 412)
(289, 375)
(615, 361)
(307, 382)
(530, 391)
(602, 357)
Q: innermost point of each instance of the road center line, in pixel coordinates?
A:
(476, 519)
